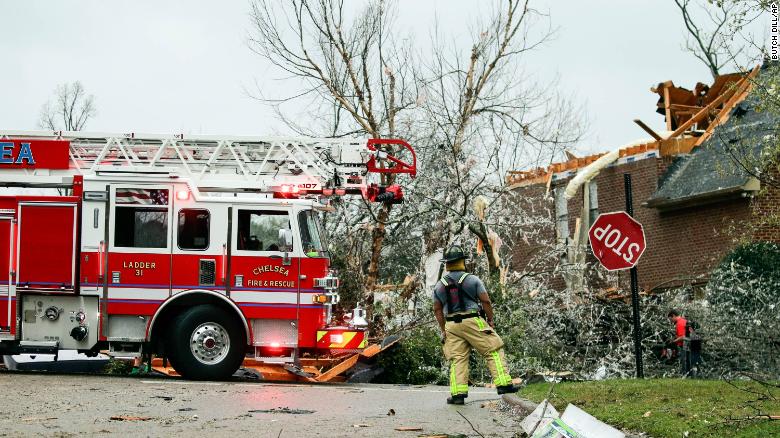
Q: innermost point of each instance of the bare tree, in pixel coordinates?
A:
(718, 32)
(71, 109)
(469, 111)
(356, 78)
(708, 45)
(489, 116)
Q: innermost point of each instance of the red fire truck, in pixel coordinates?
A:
(203, 250)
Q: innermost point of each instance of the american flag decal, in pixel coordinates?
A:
(142, 196)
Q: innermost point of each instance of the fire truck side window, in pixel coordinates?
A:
(193, 228)
(141, 218)
(310, 234)
(141, 227)
(258, 230)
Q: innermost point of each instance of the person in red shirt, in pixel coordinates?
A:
(680, 325)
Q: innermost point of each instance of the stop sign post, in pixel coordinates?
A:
(618, 241)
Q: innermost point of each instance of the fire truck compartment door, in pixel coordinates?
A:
(46, 254)
(6, 248)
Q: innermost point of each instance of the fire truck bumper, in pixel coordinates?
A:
(342, 339)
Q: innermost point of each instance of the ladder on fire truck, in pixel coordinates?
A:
(291, 167)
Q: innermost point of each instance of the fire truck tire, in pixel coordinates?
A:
(206, 343)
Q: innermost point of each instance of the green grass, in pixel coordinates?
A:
(703, 408)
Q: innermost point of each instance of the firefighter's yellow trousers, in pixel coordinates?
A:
(473, 333)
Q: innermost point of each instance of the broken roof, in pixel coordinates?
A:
(684, 133)
(698, 173)
(710, 172)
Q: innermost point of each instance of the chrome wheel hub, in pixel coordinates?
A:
(210, 343)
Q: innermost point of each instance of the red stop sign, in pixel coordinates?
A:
(617, 240)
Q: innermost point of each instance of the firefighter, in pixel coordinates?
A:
(457, 300)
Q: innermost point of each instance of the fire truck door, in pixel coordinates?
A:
(264, 275)
(6, 249)
(200, 245)
(139, 250)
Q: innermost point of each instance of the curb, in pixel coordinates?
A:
(526, 406)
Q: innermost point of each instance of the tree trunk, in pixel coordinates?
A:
(377, 241)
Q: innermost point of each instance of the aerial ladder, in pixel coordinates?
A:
(284, 167)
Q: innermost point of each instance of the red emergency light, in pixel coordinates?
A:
(290, 188)
(287, 191)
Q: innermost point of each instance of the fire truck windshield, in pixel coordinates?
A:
(310, 234)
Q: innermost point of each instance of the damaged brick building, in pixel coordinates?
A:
(694, 201)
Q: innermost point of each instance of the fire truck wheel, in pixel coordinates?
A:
(206, 343)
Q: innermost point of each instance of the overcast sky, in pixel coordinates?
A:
(184, 66)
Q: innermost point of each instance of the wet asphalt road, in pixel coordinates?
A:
(70, 405)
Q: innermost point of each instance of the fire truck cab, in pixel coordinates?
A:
(201, 250)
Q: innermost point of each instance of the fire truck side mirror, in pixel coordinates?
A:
(286, 245)
(285, 240)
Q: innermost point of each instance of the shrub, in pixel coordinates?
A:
(740, 318)
(416, 360)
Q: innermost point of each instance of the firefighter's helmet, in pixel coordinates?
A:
(454, 253)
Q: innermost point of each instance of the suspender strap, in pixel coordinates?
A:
(461, 292)
(460, 280)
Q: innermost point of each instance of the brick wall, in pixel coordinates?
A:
(682, 245)
(533, 244)
(766, 211)
(531, 200)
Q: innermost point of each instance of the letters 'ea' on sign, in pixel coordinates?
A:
(38, 154)
(617, 240)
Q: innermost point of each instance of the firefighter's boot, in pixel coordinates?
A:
(457, 399)
(507, 389)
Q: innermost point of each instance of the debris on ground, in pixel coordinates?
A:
(391, 412)
(588, 425)
(442, 435)
(284, 410)
(554, 376)
(248, 374)
(542, 416)
(409, 429)
(557, 429)
(38, 419)
(574, 423)
(129, 418)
